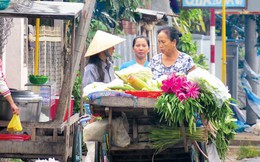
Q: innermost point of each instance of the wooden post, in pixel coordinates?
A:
(82, 33)
(69, 78)
(67, 150)
(110, 116)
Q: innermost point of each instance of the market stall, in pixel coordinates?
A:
(53, 138)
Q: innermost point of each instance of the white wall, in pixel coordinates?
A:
(203, 44)
(13, 60)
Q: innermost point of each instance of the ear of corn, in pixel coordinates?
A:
(122, 77)
(125, 87)
(137, 83)
(128, 87)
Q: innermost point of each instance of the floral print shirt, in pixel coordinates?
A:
(182, 65)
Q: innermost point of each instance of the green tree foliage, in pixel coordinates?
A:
(188, 46)
(191, 21)
(109, 13)
(76, 92)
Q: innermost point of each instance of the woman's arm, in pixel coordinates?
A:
(13, 106)
(191, 69)
(6, 93)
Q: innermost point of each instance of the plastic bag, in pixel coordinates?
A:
(139, 71)
(91, 151)
(255, 129)
(205, 80)
(212, 153)
(15, 124)
(95, 131)
(120, 130)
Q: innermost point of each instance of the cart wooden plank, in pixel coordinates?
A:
(140, 146)
(125, 102)
(25, 147)
(47, 125)
(32, 149)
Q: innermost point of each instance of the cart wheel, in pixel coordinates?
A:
(77, 144)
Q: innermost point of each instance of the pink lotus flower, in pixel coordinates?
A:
(182, 96)
(166, 86)
(192, 90)
(181, 87)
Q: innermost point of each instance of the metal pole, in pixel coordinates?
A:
(224, 64)
(251, 58)
(37, 44)
(212, 41)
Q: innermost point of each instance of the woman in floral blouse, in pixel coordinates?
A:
(170, 59)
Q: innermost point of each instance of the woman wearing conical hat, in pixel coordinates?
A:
(99, 67)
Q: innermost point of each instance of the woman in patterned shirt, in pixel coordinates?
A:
(170, 60)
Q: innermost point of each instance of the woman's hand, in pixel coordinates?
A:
(15, 109)
(13, 106)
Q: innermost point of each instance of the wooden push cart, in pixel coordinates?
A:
(141, 117)
(53, 139)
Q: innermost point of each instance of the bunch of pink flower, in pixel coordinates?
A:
(181, 87)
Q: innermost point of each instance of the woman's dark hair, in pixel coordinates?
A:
(143, 37)
(96, 60)
(172, 33)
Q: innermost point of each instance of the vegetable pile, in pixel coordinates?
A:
(137, 77)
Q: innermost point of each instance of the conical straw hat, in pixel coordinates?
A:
(101, 42)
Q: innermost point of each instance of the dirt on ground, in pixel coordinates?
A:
(232, 155)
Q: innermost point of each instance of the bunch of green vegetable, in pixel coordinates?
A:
(175, 112)
(164, 137)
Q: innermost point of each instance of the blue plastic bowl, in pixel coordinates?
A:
(4, 4)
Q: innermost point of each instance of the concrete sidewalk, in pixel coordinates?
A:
(246, 139)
